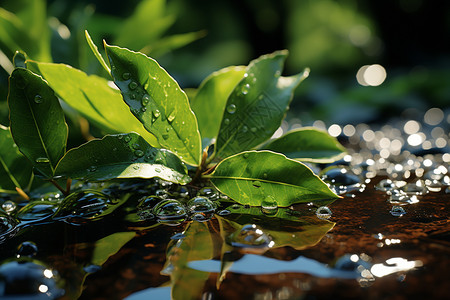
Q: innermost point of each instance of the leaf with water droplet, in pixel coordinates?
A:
(273, 174)
(165, 96)
(37, 120)
(15, 169)
(211, 97)
(93, 98)
(307, 144)
(259, 100)
(124, 162)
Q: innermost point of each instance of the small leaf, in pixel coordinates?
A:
(257, 105)
(121, 156)
(37, 120)
(249, 177)
(15, 169)
(308, 144)
(210, 100)
(97, 54)
(157, 101)
(92, 98)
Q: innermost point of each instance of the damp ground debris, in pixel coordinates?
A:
(388, 236)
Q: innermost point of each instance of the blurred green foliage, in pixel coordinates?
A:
(197, 37)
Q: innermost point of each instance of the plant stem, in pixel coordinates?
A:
(22, 193)
(65, 192)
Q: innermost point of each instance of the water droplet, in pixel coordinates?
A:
(133, 96)
(170, 212)
(133, 85)
(127, 138)
(397, 211)
(257, 184)
(42, 160)
(231, 109)
(28, 249)
(244, 129)
(126, 75)
(165, 136)
(226, 121)
(224, 212)
(253, 129)
(139, 153)
(245, 89)
(246, 155)
(157, 170)
(277, 73)
(145, 100)
(92, 169)
(136, 146)
(171, 117)
(269, 206)
(341, 179)
(30, 279)
(136, 167)
(415, 188)
(9, 206)
(385, 185)
(156, 113)
(250, 236)
(38, 99)
(265, 175)
(200, 204)
(323, 212)
(143, 109)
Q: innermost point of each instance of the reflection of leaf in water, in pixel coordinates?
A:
(296, 229)
(110, 245)
(197, 244)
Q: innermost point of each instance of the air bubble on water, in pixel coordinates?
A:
(42, 160)
(9, 206)
(245, 89)
(323, 212)
(132, 85)
(250, 236)
(38, 99)
(224, 212)
(231, 109)
(27, 249)
(397, 211)
(385, 185)
(200, 204)
(170, 212)
(126, 75)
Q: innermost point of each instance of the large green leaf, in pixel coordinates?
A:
(210, 100)
(15, 169)
(308, 144)
(157, 101)
(121, 156)
(37, 120)
(257, 105)
(250, 177)
(92, 98)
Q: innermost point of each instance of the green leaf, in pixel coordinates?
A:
(250, 177)
(37, 120)
(210, 100)
(15, 169)
(97, 54)
(157, 101)
(257, 105)
(92, 98)
(121, 156)
(19, 59)
(308, 144)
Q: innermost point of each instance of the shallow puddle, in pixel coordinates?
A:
(388, 237)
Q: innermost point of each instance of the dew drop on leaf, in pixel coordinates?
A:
(156, 113)
(257, 184)
(136, 167)
(42, 160)
(226, 121)
(126, 75)
(157, 170)
(9, 206)
(38, 99)
(231, 109)
(165, 136)
(244, 129)
(253, 129)
(171, 117)
(245, 89)
(144, 109)
(145, 100)
(127, 138)
(139, 153)
(133, 85)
